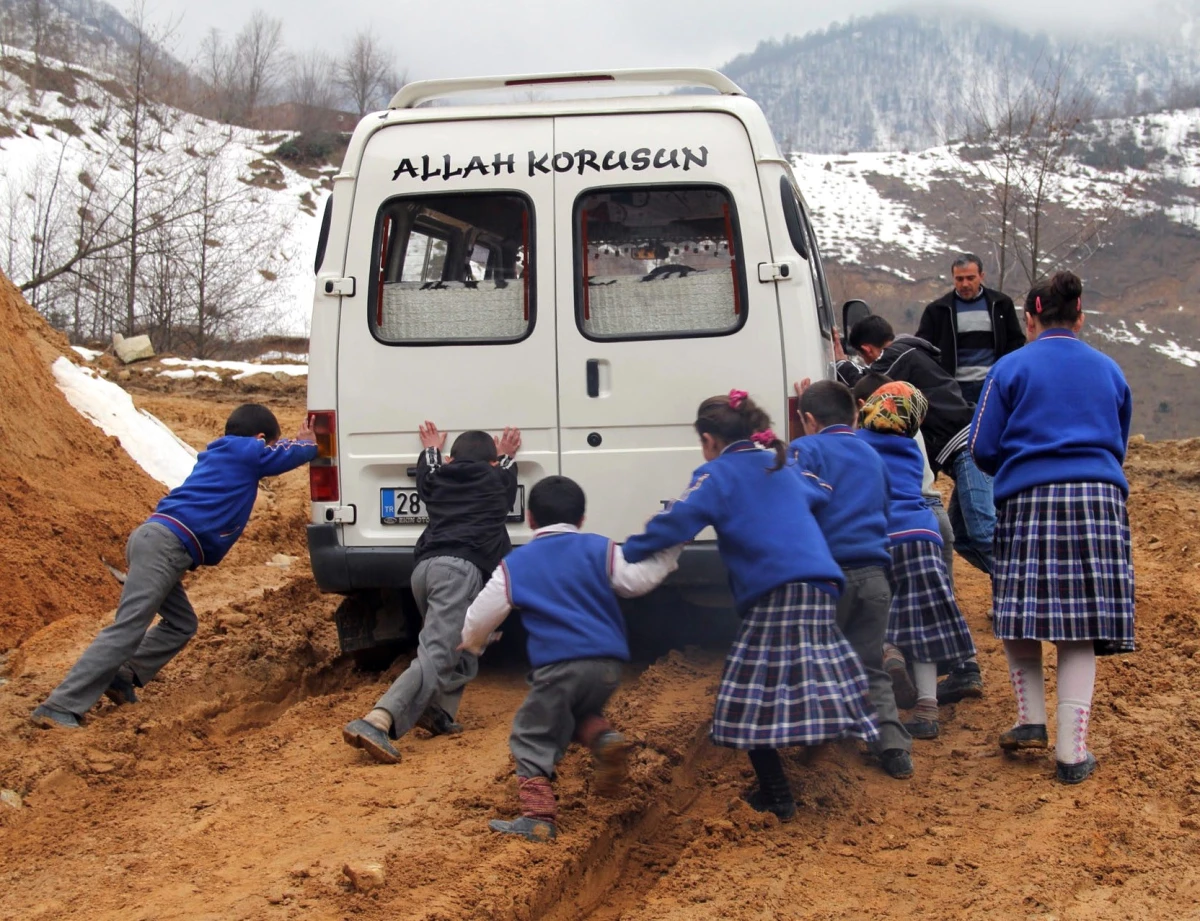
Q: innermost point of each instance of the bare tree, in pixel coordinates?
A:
(366, 73)
(311, 87)
(259, 59)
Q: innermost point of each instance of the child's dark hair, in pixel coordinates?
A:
(251, 420)
(830, 403)
(736, 417)
(557, 500)
(868, 384)
(873, 330)
(474, 446)
(1056, 302)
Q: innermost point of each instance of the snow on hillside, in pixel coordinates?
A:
(50, 139)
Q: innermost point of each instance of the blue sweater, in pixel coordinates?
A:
(1056, 411)
(909, 516)
(767, 534)
(562, 586)
(855, 521)
(209, 509)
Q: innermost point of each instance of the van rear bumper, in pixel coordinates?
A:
(344, 570)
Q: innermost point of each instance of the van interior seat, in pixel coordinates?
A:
(622, 305)
(415, 311)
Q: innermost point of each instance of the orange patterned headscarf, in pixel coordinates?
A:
(897, 408)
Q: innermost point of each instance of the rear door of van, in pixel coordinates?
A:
(451, 246)
(660, 228)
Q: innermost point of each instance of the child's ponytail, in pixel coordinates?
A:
(1056, 302)
(736, 417)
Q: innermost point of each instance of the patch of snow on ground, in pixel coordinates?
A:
(86, 354)
(1189, 358)
(300, 358)
(188, 374)
(244, 368)
(153, 446)
(1121, 333)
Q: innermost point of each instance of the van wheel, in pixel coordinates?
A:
(377, 658)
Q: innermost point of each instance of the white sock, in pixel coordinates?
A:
(380, 719)
(925, 678)
(1076, 682)
(1028, 680)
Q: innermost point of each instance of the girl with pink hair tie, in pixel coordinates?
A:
(791, 678)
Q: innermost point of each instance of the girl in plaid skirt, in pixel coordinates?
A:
(924, 622)
(791, 678)
(1052, 427)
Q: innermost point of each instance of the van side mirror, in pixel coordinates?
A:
(852, 312)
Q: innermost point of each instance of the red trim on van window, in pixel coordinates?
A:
(525, 258)
(587, 306)
(383, 254)
(737, 294)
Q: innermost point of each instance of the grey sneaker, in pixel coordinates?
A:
(897, 763)
(526, 827)
(52, 718)
(375, 742)
(923, 729)
(437, 722)
(121, 690)
(963, 681)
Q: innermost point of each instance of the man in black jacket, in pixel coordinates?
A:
(972, 327)
(945, 429)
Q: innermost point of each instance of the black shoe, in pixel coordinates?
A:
(1029, 735)
(897, 763)
(923, 729)
(51, 718)
(611, 753)
(121, 690)
(1077, 773)
(437, 722)
(375, 742)
(526, 827)
(782, 809)
(963, 681)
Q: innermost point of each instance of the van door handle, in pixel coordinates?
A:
(593, 377)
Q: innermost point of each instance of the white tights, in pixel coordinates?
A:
(1076, 683)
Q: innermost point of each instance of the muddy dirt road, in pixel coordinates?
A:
(228, 793)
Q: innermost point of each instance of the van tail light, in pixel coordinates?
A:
(323, 471)
(795, 427)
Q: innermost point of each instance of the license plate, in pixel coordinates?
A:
(404, 506)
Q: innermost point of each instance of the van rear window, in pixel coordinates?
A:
(656, 262)
(453, 269)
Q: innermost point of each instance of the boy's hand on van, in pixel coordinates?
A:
(838, 352)
(431, 437)
(802, 386)
(509, 442)
(305, 432)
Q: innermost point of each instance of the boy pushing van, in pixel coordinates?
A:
(195, 524)
(468, 498)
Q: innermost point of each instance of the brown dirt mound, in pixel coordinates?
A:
(68, 494)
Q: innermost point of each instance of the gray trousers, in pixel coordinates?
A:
(444, 587)
(862, 615)
(561, 695)
(157, 561)
(947, 531)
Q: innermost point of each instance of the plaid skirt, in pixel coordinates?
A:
(1064, 566)
(924, 621)
(791, 678)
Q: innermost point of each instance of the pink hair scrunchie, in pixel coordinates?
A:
(766, 439)
(737, 398)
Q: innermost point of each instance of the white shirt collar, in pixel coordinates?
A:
(562, 528)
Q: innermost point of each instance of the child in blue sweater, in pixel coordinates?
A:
(194, 525)
(791, 678)
(856, 528)
(565, 585)
(1052, 428)
(925, 622)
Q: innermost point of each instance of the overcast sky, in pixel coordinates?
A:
(443, 38)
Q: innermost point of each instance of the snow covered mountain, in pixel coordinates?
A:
(903, 80)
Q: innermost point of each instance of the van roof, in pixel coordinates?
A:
(406, 105)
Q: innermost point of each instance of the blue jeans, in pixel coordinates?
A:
(972, 512)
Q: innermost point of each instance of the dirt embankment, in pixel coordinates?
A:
(68, 494)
